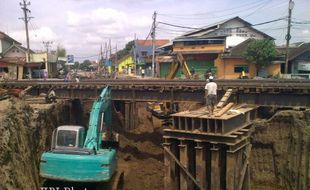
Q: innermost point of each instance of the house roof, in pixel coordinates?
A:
(158, 42)
(207, 30)
(295, 50)
(8, 38)
(18, 46)
(167, 45)
(238, 50)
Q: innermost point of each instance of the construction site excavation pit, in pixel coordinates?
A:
(27, 130)
(279, 156)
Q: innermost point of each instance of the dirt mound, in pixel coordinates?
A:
(141, 153)
(280, 153)
(25, 134)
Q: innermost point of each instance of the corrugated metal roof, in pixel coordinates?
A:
(158, 42)
(207, 30)
(5, 36)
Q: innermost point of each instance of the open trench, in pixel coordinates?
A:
(279, 159)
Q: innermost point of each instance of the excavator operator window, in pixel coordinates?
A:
(66, 138)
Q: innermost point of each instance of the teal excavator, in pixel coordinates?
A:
(76, 158)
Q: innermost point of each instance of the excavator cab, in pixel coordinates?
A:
(68, 137)
(77, 156)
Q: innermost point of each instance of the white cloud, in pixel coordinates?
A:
(306, 32)
(97, 26)
(36, 37)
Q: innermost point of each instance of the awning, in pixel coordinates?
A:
(3, 64)
(31, 65)
(198, 52)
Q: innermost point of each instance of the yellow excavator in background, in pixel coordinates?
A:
(177, 63)
(162, 110)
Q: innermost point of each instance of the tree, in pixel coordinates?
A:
(260, 52)
(75, 66)
(85, 65)
(61, 51)
(126, 50)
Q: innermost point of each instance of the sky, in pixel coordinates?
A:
(82, 26)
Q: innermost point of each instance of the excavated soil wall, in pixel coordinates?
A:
(279, 158)
(280, 152)
(25, 133)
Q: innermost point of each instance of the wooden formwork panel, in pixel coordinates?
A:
(204, 165)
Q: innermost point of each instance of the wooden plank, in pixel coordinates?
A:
(215, 168)
(244, 168)
(201, 170)
(224, 110)
(167, 167)
(237, 133)
(183, 168)
(184, 161)
(230, 171)
(224, 98)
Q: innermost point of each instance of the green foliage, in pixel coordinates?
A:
(76, 66)
(61, 51)
(261, 52)
(85, 65)
(126, 50)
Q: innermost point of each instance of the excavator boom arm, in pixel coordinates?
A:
(99, 120)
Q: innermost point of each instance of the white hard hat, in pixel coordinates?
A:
(211, 77)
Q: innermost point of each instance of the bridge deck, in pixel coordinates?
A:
(262, 92)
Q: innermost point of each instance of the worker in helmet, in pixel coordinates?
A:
(210, 90)
(51, 96)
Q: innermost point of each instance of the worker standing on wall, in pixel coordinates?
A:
(51, 96)
(142, 72)
(243, 76)
(210, 90)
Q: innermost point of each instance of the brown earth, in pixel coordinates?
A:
(279, 159)
(280, 153)
(140, 153)
(25, 133)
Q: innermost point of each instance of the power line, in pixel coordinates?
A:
(177, 26)
(279, 28)
(147, 37)
(215, 11)
(194, 28)
(260, 7)
(271, 21)
(171, 30)
(98, 54)
(306, 22)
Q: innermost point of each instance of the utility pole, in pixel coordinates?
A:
(26, 19)
(288, 35)
(116, 65)
(100, 62)
(47, 44)
(153, 43)
(134, 54)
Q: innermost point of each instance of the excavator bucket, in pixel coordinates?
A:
(178, 62)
